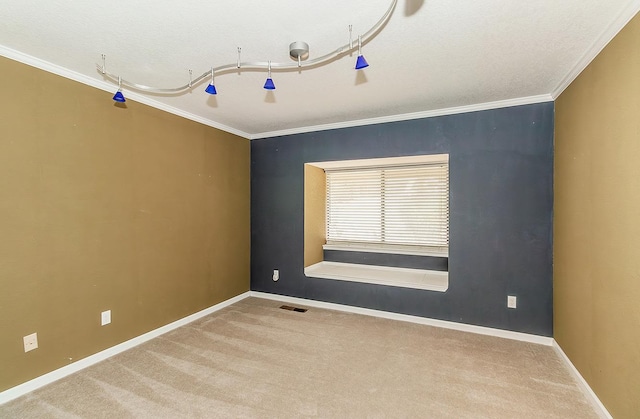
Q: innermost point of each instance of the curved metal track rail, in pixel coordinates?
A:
(256, 65)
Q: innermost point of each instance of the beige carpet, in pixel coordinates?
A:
(253, 359)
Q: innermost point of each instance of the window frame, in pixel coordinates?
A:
(382, 163)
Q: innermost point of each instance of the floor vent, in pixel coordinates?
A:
(298, 309)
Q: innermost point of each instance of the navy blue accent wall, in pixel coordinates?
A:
(501, 203)
(386, 259)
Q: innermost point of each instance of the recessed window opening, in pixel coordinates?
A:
(369, 214)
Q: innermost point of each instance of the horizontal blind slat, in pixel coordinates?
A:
(396, 205)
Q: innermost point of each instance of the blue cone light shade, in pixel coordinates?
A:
(211, 89)
(119, 97)
(269, 84)
(361, 62)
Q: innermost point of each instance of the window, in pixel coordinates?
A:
(392, 208)
(396, 205)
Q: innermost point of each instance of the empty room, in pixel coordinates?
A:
(375, 208)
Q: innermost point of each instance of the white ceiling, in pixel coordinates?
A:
(433, 57)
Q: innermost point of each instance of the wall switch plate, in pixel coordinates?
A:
(30, 342)
(106, 317)
(512, 301)
(276, 275)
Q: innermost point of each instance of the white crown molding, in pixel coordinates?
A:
(506, 334)
(584, 386)
(600, 43)
(108, 87)
(529, 100)
(43, 380)
(606, 36)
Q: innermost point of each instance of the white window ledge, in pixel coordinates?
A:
(380, 275)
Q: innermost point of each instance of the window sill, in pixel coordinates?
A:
(380, 275)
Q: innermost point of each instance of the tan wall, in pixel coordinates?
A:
(315, 192)
(597, 224)
(133, 210)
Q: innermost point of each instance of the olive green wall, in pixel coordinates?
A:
(597, 223)
(315, 204)
(133, 210)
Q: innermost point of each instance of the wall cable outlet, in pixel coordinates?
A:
(276, 275)
(30, 342)
(105, 317)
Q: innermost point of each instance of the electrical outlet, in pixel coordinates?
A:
(276, 275)
(105, 317)
(30, 342)
(512, 301)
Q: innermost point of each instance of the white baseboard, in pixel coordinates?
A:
(586, 389)
(55, 375)
(542, 340)
(525, 337)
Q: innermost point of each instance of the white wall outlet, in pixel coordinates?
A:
(276, 275)
(105, 317)
(512, 301)
(30, 342)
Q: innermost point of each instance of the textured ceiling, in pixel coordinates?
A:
(432, 54)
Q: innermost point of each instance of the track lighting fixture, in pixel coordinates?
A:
(361, 62)
(269, 83)
(119, 97)
(299, 51)
(211, 88)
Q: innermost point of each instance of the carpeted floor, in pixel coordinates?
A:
(253, 359)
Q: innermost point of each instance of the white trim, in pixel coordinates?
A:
(582, 383)
(529, 100)
(36, 383)
(110, 87)
(55, 375)
(382, 162)
(481, 330)
(598, 45)
(420, 279)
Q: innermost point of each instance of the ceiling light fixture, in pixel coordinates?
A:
(299, 51)
(211, 88)
(119, 97)
(269, 83)
(361, 62)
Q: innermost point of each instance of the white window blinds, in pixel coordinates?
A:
(389, 206)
